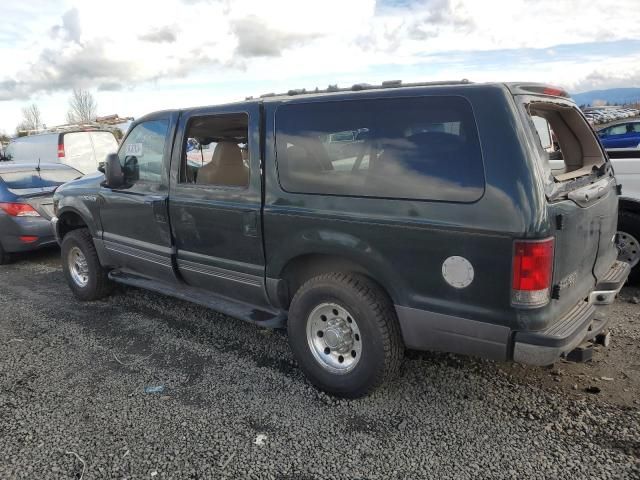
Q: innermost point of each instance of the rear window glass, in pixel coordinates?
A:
(104, 143)
(43, 179)
(423, 148)
(568, 145)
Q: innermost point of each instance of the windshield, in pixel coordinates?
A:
(45, 178)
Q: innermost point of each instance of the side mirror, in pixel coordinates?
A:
(131, 170)
(114, 178)
(101, 167)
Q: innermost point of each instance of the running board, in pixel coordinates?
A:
(269, 318)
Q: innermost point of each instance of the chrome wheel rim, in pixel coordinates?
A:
(78, 267)
(334, 338)
(628, 248)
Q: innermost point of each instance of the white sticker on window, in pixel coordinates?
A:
(134, 149)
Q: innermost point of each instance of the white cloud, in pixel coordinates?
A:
(141, 46)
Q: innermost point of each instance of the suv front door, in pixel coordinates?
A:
(215, 202)
(134, 217)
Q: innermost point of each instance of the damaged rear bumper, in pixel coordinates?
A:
(582, 323)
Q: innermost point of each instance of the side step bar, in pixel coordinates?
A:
(269, 318)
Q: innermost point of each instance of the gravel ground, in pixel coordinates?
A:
(234, 405)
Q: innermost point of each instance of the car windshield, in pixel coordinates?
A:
(42, 178)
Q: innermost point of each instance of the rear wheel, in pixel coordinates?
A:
(628, 242)
(344, 333)
(81, 266)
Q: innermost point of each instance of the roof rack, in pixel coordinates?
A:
(91, 126)
(363, 86)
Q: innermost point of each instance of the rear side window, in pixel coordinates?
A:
(104, 143)
(77, 144)
(38, 179)
(424, 148)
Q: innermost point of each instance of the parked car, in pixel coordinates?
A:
(83, 150)
(26, 204)
(621, 135)
(626, 164)
(441, 228)
(610, 114)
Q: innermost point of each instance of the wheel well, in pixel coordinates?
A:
(300, 269)
(69, 221)
(629, 205)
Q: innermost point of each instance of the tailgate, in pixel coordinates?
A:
(581, 196)
(584, 240)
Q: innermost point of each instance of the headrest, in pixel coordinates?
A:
(227, 153)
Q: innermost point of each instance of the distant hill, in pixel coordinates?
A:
(612, 96)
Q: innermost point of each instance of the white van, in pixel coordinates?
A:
(82, 150)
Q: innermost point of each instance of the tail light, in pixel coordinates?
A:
(19, 209)
(532, 272)
(28, 238)
(61, 150)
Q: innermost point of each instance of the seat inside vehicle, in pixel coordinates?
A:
(216, 151)
(225, 168)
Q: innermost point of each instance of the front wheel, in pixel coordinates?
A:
(628, 242)
(81, 266)
(344, 334)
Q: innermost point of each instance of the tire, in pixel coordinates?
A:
(4, 256)
(627, 239)
(370, 348)
(78, 245)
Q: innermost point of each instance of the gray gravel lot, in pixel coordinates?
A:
(234, 405)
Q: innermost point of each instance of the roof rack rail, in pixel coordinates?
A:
(364, 86)
(90, 126)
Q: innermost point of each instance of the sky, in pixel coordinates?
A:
(138, 56)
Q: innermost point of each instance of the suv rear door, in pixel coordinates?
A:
(215, 201)
(581, 196)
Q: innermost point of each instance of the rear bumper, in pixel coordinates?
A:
(423, 330)
(11, 231)
(580, 324)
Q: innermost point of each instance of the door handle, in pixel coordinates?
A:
(154, 199)
(158, 204)
(250, 224)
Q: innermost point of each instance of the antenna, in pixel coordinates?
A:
(38, 167)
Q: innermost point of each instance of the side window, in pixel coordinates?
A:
(104, 143)
(617, 130)
(544, 132)
(423, 148)
(141, 154)
(216, 151)
(77, 144)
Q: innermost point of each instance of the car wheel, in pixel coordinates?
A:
(86, 277)
(344, 334)
(628, 242)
